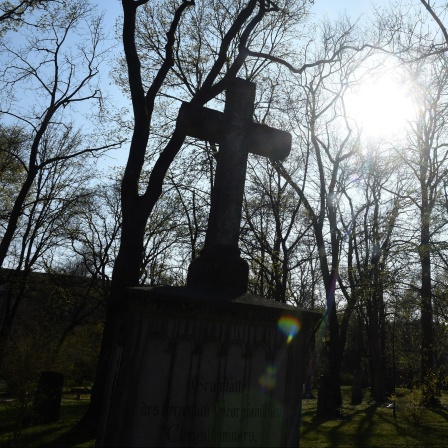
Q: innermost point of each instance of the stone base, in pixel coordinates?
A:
(196, 367)
(219, 271)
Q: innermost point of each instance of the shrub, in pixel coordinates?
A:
(413, 406)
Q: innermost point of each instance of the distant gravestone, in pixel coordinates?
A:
(325, 398)
(209, 364)
(47, 403)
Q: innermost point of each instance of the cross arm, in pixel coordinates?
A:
(211, 125)
(201, 122)
(268, 142)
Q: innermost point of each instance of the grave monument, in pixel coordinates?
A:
(210, 364)
(47, 402)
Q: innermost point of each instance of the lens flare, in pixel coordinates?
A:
(289, 326)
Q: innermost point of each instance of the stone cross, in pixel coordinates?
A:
(219, 264)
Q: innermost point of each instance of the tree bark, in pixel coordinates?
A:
(426, 298)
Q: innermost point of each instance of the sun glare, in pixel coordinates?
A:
(381, 107)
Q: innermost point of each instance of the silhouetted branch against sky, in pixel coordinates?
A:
(434, 15)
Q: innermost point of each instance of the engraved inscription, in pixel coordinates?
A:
(227, 411)
(228, 385)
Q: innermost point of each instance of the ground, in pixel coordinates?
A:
(365, 425)
(370, 425)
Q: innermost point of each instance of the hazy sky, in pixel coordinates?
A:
(335, 7)
(321, 8)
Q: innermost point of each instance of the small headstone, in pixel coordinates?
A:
(328, 401)
(47, 404)
(390, 385)
(325, 400)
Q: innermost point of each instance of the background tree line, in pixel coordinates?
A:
(349, 225)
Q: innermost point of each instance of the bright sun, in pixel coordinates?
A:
(381, 107)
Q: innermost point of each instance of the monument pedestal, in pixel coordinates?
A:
(219, 269)
(198, 367)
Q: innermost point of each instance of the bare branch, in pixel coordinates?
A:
(436, 18)
(336, 55)
(79, 153)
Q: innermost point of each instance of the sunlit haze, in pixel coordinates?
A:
(381, 107)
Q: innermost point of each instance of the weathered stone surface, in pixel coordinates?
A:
(211, 125)
(198, 367)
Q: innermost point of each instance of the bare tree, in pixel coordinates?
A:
(274, 227)
(328, 141)
(437, 19)
(42, 235)
(12, 144)
(12, 15)
(426, 155)
(59, 77)
(370, 241)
